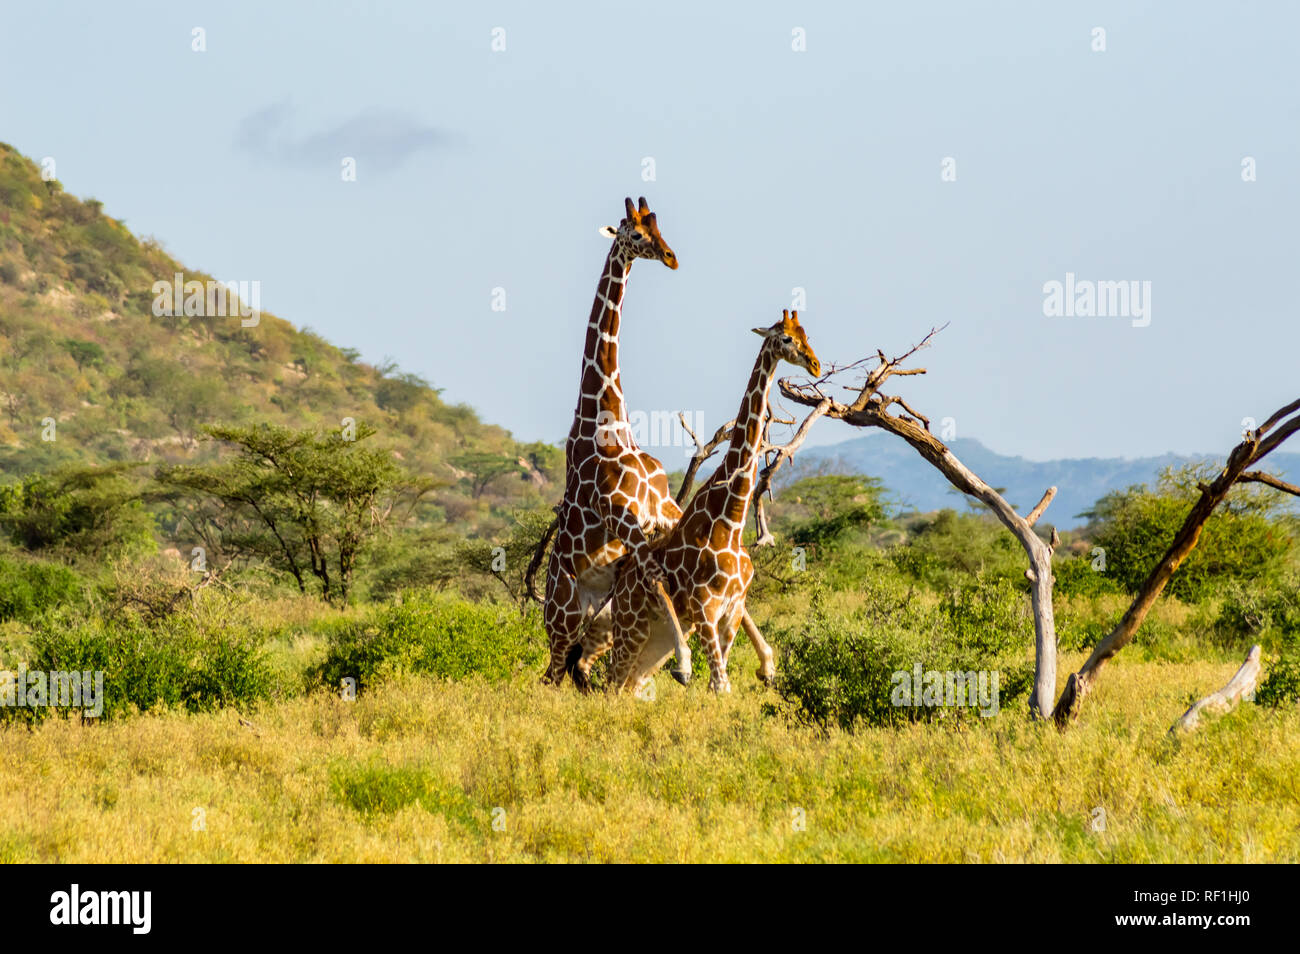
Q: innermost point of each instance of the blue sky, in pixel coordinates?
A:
(774, 169)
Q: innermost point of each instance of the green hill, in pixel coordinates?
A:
(89, 375)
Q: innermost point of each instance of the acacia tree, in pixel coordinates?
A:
(90, 512)
(481, 468)
(302, 502)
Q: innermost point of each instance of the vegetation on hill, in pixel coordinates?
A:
(90, 376)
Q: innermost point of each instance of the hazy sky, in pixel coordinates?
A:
(775, 169)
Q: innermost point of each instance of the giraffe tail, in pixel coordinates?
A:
(571, 665)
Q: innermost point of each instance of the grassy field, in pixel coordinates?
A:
(431, 771)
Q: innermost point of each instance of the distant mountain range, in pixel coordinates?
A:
(914, 483)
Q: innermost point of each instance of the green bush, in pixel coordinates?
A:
(90, 512)
(1265, 614)
(384, 789)
(1076, 576)
(988, 618)
(28, 588)
(437, 635)
(1282, 684)
(1155, 639)
(1242, 541)
(950, 548)
(840, 669)
(819, 512)
(175, 664)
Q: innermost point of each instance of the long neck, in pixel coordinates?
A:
(738, 467)
(601, 394)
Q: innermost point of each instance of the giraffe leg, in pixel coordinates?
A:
(669, 514)
(766, 666)
(597, 641)
(681, 670)
(563, 618)
(626, 647)
(620, 668)
(727, 628)
(718, 681)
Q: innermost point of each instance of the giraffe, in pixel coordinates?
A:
(704, 558)
(615, 495)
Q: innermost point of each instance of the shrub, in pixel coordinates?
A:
(950, 548)
(1075, 576)
(840, 668)
(1282, 684)
(1240, 542)
(1269, 614)
(437, 635)
(833, 506)
(175, 664)
(28, 588)
(988, 618)
(91, 512)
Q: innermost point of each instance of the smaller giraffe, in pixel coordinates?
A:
(708, 570)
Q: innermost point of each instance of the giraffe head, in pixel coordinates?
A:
(791, 344)
(639, 234)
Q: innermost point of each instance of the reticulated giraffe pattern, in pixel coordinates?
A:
(707, 566)
(616, 496)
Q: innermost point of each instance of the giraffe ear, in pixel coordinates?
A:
(761, 332)
(609, 231)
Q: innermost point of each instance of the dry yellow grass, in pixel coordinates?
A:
(414, 773)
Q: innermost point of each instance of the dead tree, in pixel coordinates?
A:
(872, 408)
(1254, 447)
(1241, 686)
(535, 564)
(703, 451)
(778, 454)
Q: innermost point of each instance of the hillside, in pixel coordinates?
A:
(80, 344)
(913, 483)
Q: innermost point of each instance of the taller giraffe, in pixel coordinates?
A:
(708, 569)
(615, 495)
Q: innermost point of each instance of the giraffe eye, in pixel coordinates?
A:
(786, 339)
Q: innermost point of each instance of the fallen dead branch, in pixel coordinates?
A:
(1240, 687)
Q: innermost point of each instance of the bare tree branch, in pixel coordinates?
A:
(702, 453)
(1277, 483)
(783, 453)
(530, 575)
(1040, 507)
